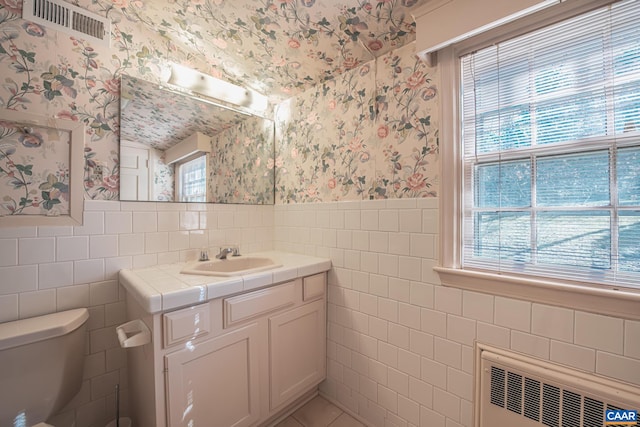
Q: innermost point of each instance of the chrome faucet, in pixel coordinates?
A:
(204, 255)
(228, 250)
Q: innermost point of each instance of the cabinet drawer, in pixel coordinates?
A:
(258, 303)
(185, 324)
(313, 287)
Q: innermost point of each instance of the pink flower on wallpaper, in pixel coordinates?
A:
(312, 118)
(258, 161)
(383, 131)
(33, 29)
(278, 61)
(312, 190)
(375, 45)
(415, 80)
(368, 7)
(332, 183)
(222, 44)
(294, 44)
(279, 162)
(355, 145)
(416, 181)
(332, 104)
(270, 163)
(120, 4)
(350, 63)
(13, 6)
(31, 140)
(112, 86)
(294, 153)
(111, 182)
(429, 93)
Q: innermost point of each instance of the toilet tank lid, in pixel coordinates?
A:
(34, 329)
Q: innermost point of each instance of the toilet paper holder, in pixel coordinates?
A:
(133, 334)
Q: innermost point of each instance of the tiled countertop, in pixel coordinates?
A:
(163, 287)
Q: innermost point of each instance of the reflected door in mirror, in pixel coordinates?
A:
(134, 173)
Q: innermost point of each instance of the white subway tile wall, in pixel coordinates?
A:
(49, 269)
(400, 345)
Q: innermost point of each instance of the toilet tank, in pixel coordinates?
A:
(41, 365)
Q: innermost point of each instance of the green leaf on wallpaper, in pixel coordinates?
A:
(65, 81)
(25, 169)
(2, 50)
(49, 203)
(17, 184)
(61, 186)
(426, 120)
(24, 201)
(408, 126)
(144, 52)
(127, 37)
(48, 185)
(28, 56)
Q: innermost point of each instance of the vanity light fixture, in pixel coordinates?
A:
(211, 87)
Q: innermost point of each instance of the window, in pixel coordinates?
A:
(540, 190)
(192, 180)
(551, 150)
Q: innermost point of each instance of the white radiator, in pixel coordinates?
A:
(515, 390)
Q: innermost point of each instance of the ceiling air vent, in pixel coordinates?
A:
(68, 18)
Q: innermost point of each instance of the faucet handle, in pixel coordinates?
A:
(204, 255)
(236, 251)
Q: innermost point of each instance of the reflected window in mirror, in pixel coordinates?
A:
(192, 180)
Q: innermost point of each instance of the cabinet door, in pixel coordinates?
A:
(215, 383)
(297, 350)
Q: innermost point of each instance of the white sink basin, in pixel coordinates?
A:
(233, 266)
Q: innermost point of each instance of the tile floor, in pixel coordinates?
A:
(319, 412)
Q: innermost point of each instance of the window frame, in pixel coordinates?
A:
(602, 299)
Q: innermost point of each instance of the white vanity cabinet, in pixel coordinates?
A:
(235, 361)
(216, 380)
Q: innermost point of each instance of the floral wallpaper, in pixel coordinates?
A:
(368, 134)
(241, 164)
(276, 47)
(34, 170)
(354, 128)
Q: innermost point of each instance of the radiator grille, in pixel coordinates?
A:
(68, 18)
(560, 407)
(514, 389)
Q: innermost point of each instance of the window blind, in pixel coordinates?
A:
(193, 180)
(551, 156)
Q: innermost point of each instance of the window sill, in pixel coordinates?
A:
(623, 303)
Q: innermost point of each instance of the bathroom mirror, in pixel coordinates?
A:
(177, 146)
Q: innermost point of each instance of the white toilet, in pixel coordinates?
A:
(41, 366)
